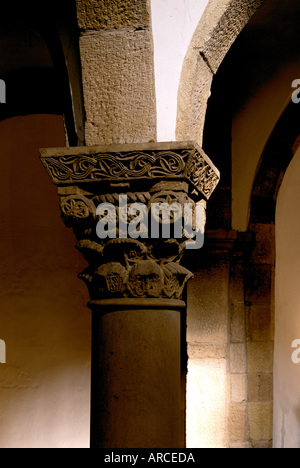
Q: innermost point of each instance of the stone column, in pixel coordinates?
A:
(134, 277)
(136, 388)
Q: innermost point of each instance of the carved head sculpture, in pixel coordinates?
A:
(146, 279)
(108, 280)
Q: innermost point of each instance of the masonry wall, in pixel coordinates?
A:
(230, 342)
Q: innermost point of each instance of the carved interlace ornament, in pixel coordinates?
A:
(124, 267)
(179, 161)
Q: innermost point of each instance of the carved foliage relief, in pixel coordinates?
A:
(120, 266)
(125, 267)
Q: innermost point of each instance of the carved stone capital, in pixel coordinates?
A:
(176, 175)
(128, 268)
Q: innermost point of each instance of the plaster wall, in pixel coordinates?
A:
(287, 320)
(44, 321)
(251, 128)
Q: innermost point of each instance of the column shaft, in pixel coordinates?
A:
(136, 388)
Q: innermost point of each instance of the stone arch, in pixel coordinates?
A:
(217, 30)
(276, 158)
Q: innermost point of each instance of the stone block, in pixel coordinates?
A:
(238, 388)
(118, 85)
(237, 422)
(238, 360)
(226, 31)
(259, 323)
(219, 214)
(206, 425)
(207, 351)
(194, 91)
(208, 310)
(113, 14)
(264, 250)
(237, 284)
(260, 387)
(258, 285)
(239, 445)
(237, 324)
(262, 444)
(261, 421)
(260, 357)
